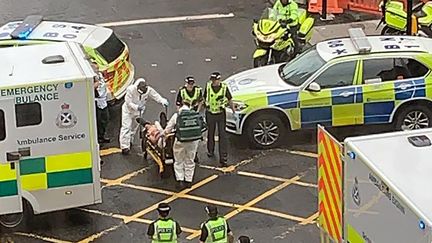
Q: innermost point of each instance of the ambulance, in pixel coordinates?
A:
(49, 155)
(377, 189)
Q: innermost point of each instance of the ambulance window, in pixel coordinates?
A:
(29, 114)
(111, 49)
(340, 74)
(2, 126)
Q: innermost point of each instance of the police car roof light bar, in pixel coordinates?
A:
(360, 41)
(26, 27)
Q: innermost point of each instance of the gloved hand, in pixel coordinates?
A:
(289, 21)
(141, 107)
(286, 36)
(165, 103)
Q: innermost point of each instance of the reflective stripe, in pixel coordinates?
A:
(190, 99)
(34, 182)
(65, 162)
(8, 182)
(6, 173)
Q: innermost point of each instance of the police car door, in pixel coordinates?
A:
(10, 192)
(333, 104)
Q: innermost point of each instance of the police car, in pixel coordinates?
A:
(358, 80)
(101, 44)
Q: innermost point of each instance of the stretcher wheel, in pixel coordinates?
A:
(144, 146)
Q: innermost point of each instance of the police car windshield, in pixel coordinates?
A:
(112, 48)
(302, 67)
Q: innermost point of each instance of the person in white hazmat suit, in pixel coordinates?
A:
(134, 105)
(189, 126)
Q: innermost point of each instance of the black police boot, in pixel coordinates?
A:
(125, 151)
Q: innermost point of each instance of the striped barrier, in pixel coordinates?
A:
(330, 169)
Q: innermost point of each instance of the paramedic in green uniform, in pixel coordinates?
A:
(164, 229)
(217, 96)
(188, 127)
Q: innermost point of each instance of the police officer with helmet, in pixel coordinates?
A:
(287, 11)
(217, 97)
(216, 228)
(190, 93)
(164, 229)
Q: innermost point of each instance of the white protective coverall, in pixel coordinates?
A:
(184, 152)
(133, 99)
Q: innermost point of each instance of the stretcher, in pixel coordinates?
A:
(161, 151)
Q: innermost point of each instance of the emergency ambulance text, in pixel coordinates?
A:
(51, 139)
(31, 94)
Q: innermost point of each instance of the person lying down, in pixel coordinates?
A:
(154, 132)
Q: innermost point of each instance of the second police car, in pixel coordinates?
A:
(101, 44)
(359, 80)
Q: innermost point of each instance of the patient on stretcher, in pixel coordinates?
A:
(154, 132)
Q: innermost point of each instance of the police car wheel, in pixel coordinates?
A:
(415, 117)
(265, 131)
(260, 61)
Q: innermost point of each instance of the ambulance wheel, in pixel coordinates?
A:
(414, 117)
(11, 220)
(265, 130)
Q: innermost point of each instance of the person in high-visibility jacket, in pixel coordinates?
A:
(217, 96)
(164, 229)
(287, 11)
(191, 93)
(216, 228)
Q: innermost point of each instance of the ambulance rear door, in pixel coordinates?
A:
(10, 191)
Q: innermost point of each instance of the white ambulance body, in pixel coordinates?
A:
(49, 153)
(388, 188)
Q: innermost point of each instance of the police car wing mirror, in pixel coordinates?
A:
(314, 87)
(373, 81)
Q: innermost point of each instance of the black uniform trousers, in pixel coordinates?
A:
(102, 118)
(217, 120)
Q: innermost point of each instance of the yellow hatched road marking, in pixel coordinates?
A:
(126, 177)
(253, 202)
(216, 202)
(311, 219)
(105, 152)
(273, 178)
(143, 212)
(34, 236)
(64, 162)
(122, 217)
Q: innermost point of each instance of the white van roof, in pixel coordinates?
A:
(88, 35)
(20, 66)
(405, 168)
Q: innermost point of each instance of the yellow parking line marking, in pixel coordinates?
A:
(123, 178)
(310, 220)
(108, 151)
(170, 199)
(253, 202)
(274, 213)
(143, 212)
(34, 236)
(216, 202)
(100, 234)
(122, 217)
(273, 178)
(302, 153)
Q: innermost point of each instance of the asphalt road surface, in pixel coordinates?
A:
(268, 195)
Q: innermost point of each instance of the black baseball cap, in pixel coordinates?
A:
(215, 76)
(190, 80)
(211, 210)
